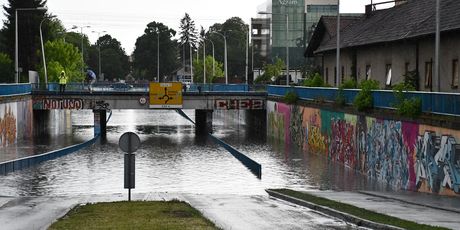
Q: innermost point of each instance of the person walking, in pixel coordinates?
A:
(62, 81)
(90, 78)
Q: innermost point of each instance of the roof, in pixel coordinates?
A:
(413, 19)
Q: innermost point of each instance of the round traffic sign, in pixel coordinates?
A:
(129, 142)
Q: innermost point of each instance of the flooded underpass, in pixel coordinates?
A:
(173, 162)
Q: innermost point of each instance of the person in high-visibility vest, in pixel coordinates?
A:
(62, 81)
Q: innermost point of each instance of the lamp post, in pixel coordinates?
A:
(247, 54)
(99, 49)
(82, 56)
(339, 79)
(437, 45)
(158, 55)
(16, 53)
(287, 43)
(225, 55)
(43, 51)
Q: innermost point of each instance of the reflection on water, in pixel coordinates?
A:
(173, 159)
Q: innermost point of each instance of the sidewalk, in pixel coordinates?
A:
(417, 207)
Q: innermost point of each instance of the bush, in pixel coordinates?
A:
(349, 84)
(363, 101)
(408, 107)
(314, 81)
(291, 97)
(340, 98)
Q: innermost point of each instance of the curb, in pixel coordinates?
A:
(332, 212)
(408, 202)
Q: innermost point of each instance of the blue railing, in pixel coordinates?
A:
(15, 89)
(432, 102)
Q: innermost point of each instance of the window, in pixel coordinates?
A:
(335, 76)
(368, 72)
(265, 32)
(428, 74)
(342, 73)
(388, 74)
(455, 73)
(406, 68)
(327, 75)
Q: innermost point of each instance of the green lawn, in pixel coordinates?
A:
(356, 211)
(134, 215)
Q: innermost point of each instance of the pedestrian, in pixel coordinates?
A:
(184, 88)
(90, 79)
(62, 81)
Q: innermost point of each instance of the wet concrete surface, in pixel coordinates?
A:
(226, 211)
(421, 208)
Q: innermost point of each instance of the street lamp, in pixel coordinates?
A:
(99, 49)
(82, 57)
(43, 51)
(339, 79)
(225, 55)
(16, 53)
(287, 43)
(158, 55)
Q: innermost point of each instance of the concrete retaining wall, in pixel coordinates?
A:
(405, 155)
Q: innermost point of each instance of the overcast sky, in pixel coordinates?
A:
(125, 20)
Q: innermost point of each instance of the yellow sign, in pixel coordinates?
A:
(165, 95)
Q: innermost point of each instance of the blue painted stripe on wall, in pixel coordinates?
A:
(15, 89)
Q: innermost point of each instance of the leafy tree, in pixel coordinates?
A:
(75, 39)
(6, 69)
(210, 78)
(114, 61)
(314, 81)
(235, 31)
(145, 52)
(62, 56)
(28, 31)
(363, 100)
(271, 71)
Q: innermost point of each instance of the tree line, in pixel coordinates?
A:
(63, 49)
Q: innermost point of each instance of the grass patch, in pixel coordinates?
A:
(356, 211)
(134, 215)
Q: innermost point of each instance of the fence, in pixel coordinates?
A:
(432, 102)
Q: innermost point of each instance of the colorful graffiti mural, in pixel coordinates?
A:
(405, 155)
(8, 125)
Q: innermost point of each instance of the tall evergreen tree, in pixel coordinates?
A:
(188, 35)
(28, 32)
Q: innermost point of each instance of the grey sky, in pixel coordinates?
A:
(126, 19)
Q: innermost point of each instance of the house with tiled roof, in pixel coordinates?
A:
(388, 45)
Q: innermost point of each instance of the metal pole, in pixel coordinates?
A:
(16, 68)
(287, 49)
(225, 51)
(247, 54)
(158, 55)
(438, 38)
(338, 43)
(82, 57)
(191, 62)
(204, 62)
(43, 54)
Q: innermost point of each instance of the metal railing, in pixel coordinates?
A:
(432, 102)
(14, 89)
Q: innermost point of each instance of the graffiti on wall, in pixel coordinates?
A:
(404, 155)
(8, 125)
(437, 164)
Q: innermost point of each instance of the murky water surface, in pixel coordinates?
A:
(173, 159)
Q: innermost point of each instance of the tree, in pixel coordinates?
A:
(75, 39)
(271, 71)
(28, 31)
(6, 69)
(62, 56)
(145, 52)
(210, 78)
(236, 33)
(188, 35)
(115, 63)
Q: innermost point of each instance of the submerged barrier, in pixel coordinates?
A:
(252, 165)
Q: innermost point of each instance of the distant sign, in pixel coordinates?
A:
(129, 142)
(166, 95)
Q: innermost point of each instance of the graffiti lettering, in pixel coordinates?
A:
(8, 129)
(73, 104)
(243, 104)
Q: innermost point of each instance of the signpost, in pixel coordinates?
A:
(129, 142)
(166, 95)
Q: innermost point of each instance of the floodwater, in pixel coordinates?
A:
(173, 159)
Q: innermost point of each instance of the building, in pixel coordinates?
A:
(260, 34)
(391, 44)
(302, 16)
